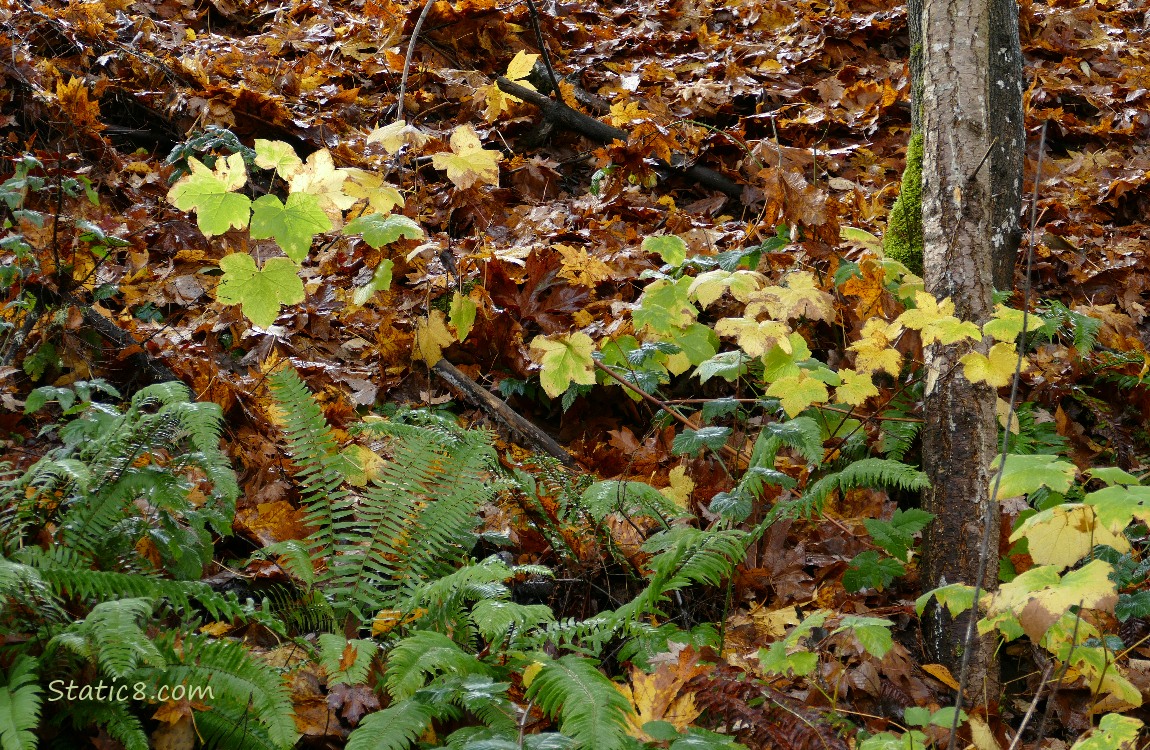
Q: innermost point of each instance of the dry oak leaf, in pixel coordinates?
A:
(581, 267)
(468, 162)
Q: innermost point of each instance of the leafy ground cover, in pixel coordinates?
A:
(228, 183)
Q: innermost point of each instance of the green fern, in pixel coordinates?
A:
(867, 472)
(425, 654)
(111, 636)
(394, 728)
(590, 710)
(20, 706)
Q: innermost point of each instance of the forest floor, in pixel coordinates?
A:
(802, 105)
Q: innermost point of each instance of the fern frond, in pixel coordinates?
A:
(20, 706)
(313, 447)
(425, 654)
(867, 472)
(590, 710)
(235, 677)
(394, 728)
(111, 632)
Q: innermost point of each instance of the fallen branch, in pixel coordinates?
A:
(532, 436)
(601, 132)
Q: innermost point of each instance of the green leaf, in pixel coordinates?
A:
(869, 571)
(380, 282)
(670, 248)
(1025, 474)
(1132, 605)
(565, 360)
(293, 225)
(912, 740)
(462, 314)
(279, 156)
(260, 291)
(916, 716)
(698, 342)
(956, 597)
(872, 632)
(729, 366)
(20, 705)
(1114, 732)
(210, 195)
(379, 230)
(665, 307)
(1112, 475)
(692, 441)
(777, 660)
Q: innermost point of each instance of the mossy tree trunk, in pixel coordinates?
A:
(959, 130)
(1008, 149)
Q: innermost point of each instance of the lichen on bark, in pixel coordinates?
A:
(903, 238)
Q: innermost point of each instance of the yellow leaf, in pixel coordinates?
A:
(431, 336)
(661, 696)
(995, 369)
(942, 674)
(320, 178)
(369, 186)
(856, 387)
(797, 392)
(800, 298)
(581, 267)
(468, 162)
(1064, 534)
(395, 136)
(873, 351)
(681, 487)
(1001, 410)
(363, 465)
(517, 70)
(625, 112)
(1005, 324)
(756, 338)
(531, 672)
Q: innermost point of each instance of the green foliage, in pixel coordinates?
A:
(19, 706)
(895, 536)
(869, 571)
(903, 238)
(261, 291)
(591, 711)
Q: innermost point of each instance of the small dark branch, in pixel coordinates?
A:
(534, 15)
(601, 132)
(531, 435)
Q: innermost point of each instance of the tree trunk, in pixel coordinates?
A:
(959, 437)
(1006, 115)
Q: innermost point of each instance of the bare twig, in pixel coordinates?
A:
(534, 15)
(407, 60)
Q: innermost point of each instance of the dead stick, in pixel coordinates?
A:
(498, 408)
(600, 131)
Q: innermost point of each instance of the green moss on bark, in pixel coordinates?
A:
(903, 238)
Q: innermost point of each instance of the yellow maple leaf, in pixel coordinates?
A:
(320, 178)
(873, 352)
(581, 267)
(937, 322)
(1064, 534)
(754, 337)
(468, 162)
(995, 368)
(625, 112)
(681, 487)
(395, 136)
(797, 392)
(800, 298)
(1005, 324)
(369, 186)
(663, 695)
(856, 387)
(517, 71)
(431, 336)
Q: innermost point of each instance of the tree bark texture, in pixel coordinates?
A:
(1006, 117)
(959, 437)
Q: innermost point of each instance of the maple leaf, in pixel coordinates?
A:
(279, 156)
(1063, 535)
(937, 322)
(431, 337)
(800, 298)
(755, 337)
(873, 351)
(670, 248)
(680, 486)
(565, 360)
(662, 696)
(398, 134)
(379, 230)
(517, 71)
(1005, 324)
(856, 387)
(468, 162)
(319, 177)
(293, 224)
(210, 194)
(995, 368)
(260, 291)
(796, 392)
(581, 267)
(665, 307)
(380, 196)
